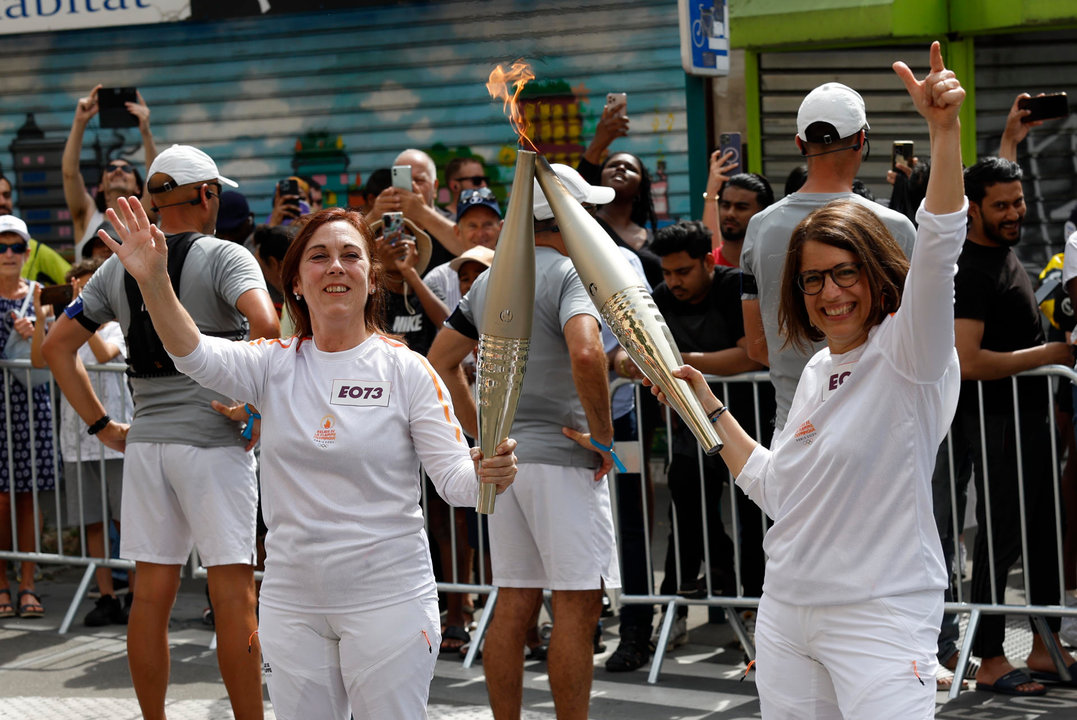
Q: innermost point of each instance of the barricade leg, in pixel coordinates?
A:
(963, 656)
(80, 593)
(1052, 647)
(668, 618)
(480, 631)
(741, 632)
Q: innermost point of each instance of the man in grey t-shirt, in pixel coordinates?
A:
(555, 529)
(187, 477)
(832, 135)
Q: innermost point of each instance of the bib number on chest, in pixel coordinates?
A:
(360, 392)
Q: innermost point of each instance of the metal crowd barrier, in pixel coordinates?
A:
(635, 457)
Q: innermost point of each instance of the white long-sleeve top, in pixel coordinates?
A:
(343, 434)
(848, 479)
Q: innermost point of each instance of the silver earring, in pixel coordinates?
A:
(298, 297)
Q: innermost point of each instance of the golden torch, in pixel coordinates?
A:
(624, 304)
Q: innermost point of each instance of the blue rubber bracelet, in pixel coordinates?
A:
(616, 460)
(248, 431)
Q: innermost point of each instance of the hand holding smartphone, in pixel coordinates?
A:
(617, 103)
(901, 150)
(1044, 107)
(392, 224)
(401, 175)
(112, 107)
(731, 143)
(57, 295)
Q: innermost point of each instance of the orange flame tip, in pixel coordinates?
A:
(498, 86)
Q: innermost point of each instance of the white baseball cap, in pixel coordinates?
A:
(186, 165)
(576, 186)
(839, 106)
(12, 224)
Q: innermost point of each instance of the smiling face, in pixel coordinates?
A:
(335, 278)
(841, 313)
(996, 221)
(119, 178)
(623, 173)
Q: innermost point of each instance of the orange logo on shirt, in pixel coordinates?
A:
(326, 433)
(805, 433)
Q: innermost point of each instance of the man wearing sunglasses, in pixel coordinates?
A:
(119, 178)
(463, 173)
(478, 222)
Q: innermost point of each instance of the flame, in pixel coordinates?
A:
(498, 86)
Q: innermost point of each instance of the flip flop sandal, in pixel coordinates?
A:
(1008, 684)
(1053, 677)
(31, 609)
(454, 632)
(7, 610)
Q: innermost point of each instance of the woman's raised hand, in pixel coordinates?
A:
(142, 248)
(938, 96)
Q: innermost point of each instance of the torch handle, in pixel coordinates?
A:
(487, 495)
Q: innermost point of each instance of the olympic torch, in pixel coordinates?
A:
(505, 324)
(624, 304)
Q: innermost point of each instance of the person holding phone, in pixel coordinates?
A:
(119, 178)
(853, 592)
(349, 616)
(290, 201)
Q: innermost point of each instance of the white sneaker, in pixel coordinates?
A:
(1068, 632)
(678, 633)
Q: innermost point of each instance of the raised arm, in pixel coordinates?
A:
(142, 111)
(79, 201)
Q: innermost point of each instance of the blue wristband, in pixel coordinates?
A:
(248, 431)
(616, 460)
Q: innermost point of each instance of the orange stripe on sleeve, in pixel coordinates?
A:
(441, 398)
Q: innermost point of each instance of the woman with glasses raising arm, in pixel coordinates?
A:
(853, 596)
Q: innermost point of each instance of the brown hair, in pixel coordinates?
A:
(850, 226)
(373, 311)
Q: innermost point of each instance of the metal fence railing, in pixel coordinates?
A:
(735, 523)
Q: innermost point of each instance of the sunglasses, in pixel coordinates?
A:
(18, 248)
(474, 179)
(112, 167)
(476, 195)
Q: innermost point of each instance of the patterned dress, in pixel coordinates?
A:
(24, 460)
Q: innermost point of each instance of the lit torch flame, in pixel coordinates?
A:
(498, 86)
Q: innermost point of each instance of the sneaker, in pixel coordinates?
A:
(678, 634)
(607, 606)
(108, 610)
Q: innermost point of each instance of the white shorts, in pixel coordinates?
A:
(553, 528)
(177, 496)
(377, 664)
(872, 660)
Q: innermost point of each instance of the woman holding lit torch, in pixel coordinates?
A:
(349, 617)
(853, 595)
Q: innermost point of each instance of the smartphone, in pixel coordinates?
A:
(1044, 107)
(617, 101)
(288, 186)
(901, 150)
(402, 177)
(112, 108)
(392, 226)
(731, 142)
(57, 295)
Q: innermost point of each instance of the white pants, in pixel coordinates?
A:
(868, 661)
(380, 662)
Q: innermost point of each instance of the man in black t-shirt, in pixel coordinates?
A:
(999, 334)
(701, 305)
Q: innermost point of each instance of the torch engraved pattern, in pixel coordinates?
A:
(500, 373)
(505, 322)
(627, 307)
(642, 331)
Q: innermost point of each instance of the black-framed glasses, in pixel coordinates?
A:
(474, 179)
(477, 195)
(18, 248)
(844, 275)
(112, 167)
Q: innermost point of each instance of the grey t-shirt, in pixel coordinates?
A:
(176, 409)
(763, 257)
(548, 399)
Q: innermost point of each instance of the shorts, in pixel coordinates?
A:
(82, 488)
(177, 496)
(377, 664)
(553, 528)
(871, 660)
